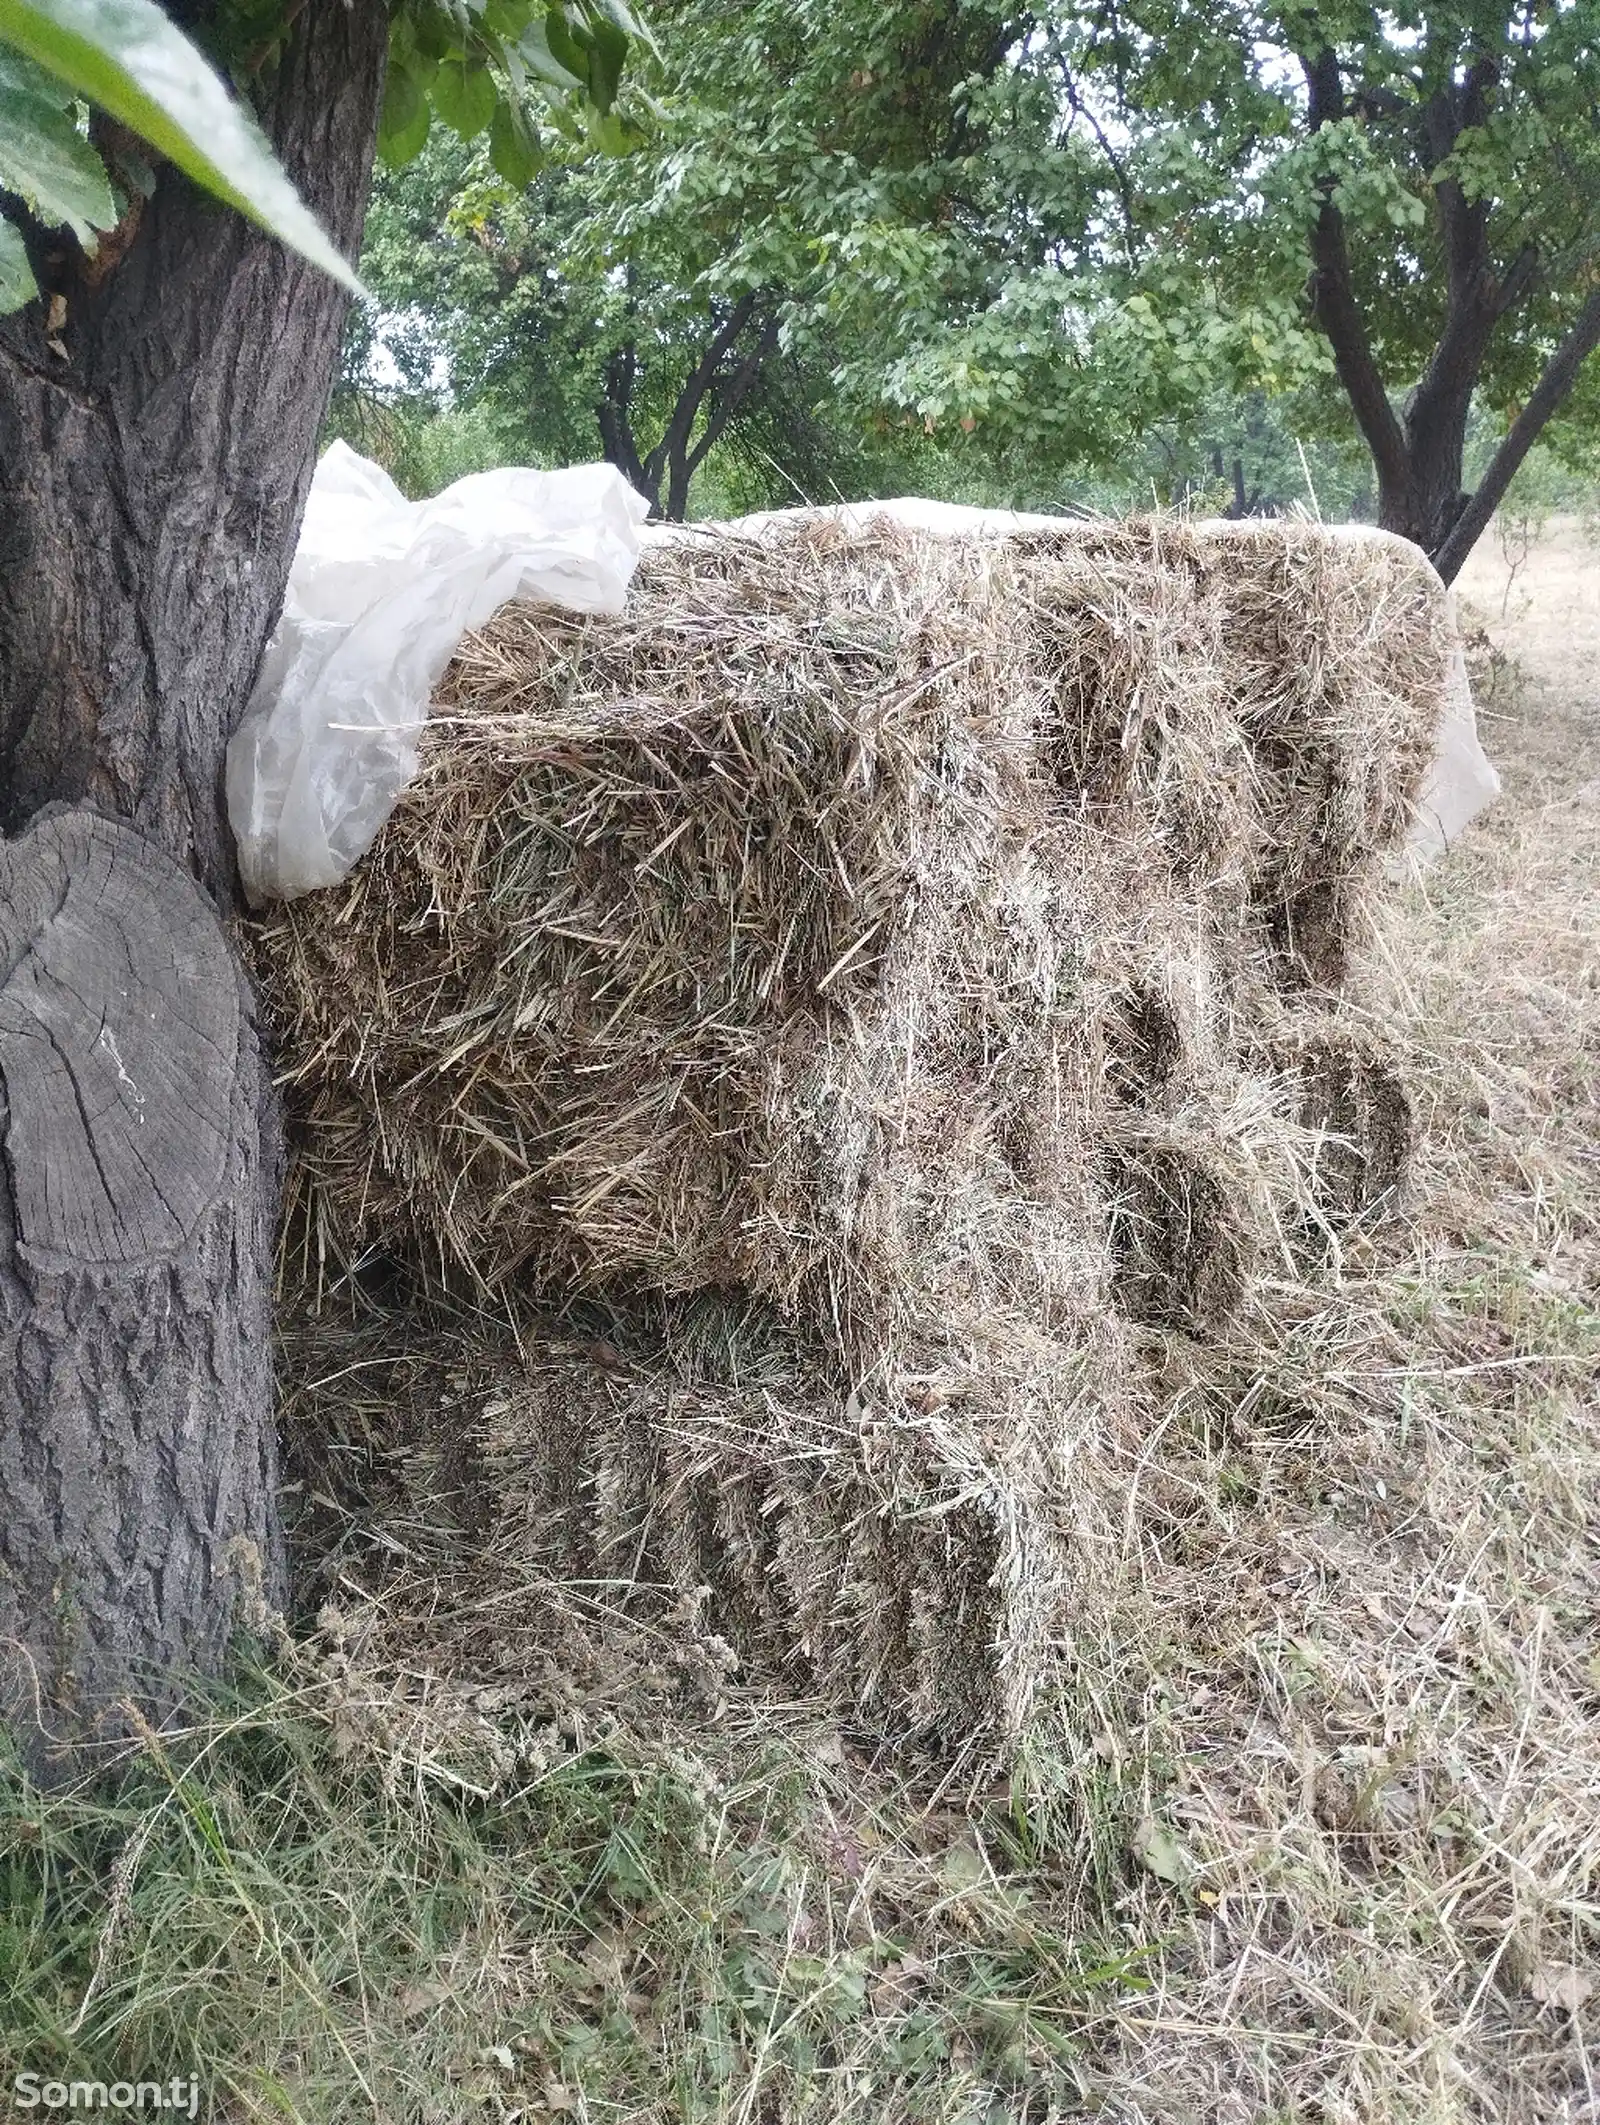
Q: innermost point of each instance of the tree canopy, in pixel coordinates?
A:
(485, 66)
(805, 234)
(1401, 205)
(720, 279)
(1051, 240)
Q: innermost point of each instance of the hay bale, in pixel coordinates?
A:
(749, 939)
(934, 943)
(885, 1557)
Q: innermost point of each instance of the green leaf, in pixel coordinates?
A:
(608, 135)
(405, 122)
(399, 148)
(564, 46)
(1159, 1849)
(627, 21)
(127, 57)
(464, 95)
(507, 19)
(17, 72)
(964, 1867)
(608, 55)
(512, 151)
(47, 160)
(535, 50)
(17, 284)
(435, 36)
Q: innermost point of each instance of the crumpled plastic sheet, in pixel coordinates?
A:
(1461, 781)
(380, 593)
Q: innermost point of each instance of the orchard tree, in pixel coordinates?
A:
(739, 277)
(164, 370)
(510, 291)
(1404, 202)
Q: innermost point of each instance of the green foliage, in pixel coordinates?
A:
(1044, 248)
(325, 1899)
(1151, 179)
(798, 160)
(1250, 455)
(1546, 486)
(476, 63)
(17, 284)
(43, 156)
(881, 226)
(126, 58)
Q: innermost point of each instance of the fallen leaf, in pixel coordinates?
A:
(608, 1358)
(423, 1998)
(56, 317)
(894, 1987)
(1561, 1985)
(964, 1867)
(1160, 1851)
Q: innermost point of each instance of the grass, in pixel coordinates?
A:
(325, 1914)
(1314, 1838)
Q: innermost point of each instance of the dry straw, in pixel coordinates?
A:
(946, 947)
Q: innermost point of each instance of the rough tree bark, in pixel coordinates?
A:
(156, 442)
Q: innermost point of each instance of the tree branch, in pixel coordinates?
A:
(1544, 402)
(731, 397)
(1446, 115)
(685, 413)
(1519, 278)
(1471, 291)
(614, 415)
(1080, 109)
(1334, 301)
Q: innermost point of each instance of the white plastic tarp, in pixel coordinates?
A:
(380, 594)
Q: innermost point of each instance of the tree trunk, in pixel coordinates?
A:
(1424, 504)
(1545, 401)
(678, 455)
(151, 486)
(614, 414)
(1420, 462)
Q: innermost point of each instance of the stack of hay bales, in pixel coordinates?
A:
(939, 946)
